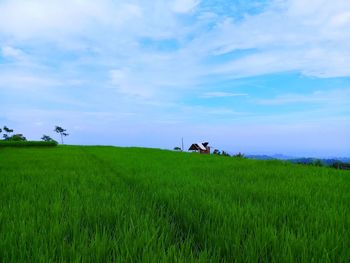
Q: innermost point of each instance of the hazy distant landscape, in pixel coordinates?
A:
(302, 160)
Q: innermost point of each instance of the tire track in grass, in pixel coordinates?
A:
(185, 226)
(188, 218)
(181, 237)
(182, 232)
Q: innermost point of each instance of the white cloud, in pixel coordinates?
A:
(184, 6)
(202, 112)
(10, 52)
(341, 20)
(125, 84)
(291, 35)
(52, 20)
(26, 81)
(338, 97)
(145, 56)
(305, 36)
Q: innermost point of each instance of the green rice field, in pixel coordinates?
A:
(109, 204)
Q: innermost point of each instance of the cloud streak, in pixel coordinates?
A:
(221, 94)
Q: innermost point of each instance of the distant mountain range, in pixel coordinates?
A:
(304, 160)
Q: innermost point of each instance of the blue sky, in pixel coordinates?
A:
(259, 77)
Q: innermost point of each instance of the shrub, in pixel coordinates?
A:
(16, 138)
(27, 144)
(239, 155)
(341, 166)
(225, 154)
(317, 163)
(47, 138)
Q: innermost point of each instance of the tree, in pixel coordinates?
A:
(61, 131)
(225, 154)
(177, 149)
(47, 138)
(8, 132)
(17, 138)
(217, 152)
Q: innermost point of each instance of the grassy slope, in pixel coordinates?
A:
(131, 204)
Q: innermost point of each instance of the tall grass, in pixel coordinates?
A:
(103, 204)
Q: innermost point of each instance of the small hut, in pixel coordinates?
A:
(202, 148)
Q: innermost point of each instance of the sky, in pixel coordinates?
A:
(258, 77)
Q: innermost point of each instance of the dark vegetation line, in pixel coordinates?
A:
(27, 144)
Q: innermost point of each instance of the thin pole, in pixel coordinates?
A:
(182, 143)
